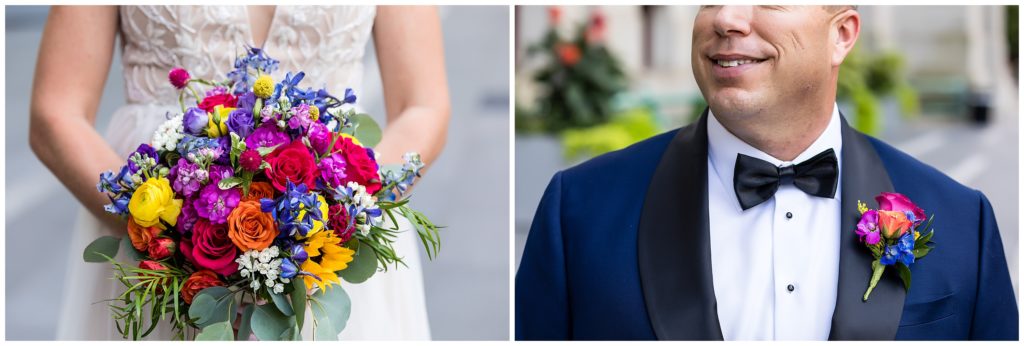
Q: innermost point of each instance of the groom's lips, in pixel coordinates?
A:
(728, 66)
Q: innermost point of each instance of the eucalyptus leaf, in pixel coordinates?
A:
(299, 300)
(268, 323)
(126, 244)
(220, 331)
(331, 309)
(245, 327)
(282, 304)
(367, 132)
(102, 246)
(290, 334)
(212, 305)
(362, 267)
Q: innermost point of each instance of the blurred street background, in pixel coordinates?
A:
(465, 190)
(938, 82)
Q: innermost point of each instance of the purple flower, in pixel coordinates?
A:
(216, 91)
(319, 137)
(288, 269)
(188, 216)
(144, 150)
(247, 101)
(195, 121)
(332, 170)
(867, 227)
(215, 204)
(187, 177)
(218, 172)
(300, 119)
(240, 122)
(266, 136)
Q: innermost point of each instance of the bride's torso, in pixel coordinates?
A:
(326, 42)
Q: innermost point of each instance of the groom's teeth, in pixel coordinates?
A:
(733, 63)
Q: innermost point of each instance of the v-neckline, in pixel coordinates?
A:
(251, 30)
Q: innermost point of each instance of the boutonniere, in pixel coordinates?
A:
(893, 233)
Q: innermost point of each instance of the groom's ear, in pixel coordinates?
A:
(843, 34)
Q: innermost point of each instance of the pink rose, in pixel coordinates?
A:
(211, 248)
(294, 163)
(898, 202)
(360, 165)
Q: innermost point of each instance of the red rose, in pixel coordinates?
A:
(360, 165)
(197, 282)
(211, 248)
(337, 220)
(161, 247)
(226, 100)
(294, 163)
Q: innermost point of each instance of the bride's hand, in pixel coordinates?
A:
(411, 57)
(74, 58)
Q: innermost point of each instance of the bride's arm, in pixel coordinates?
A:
(74, 58)
(411, 58)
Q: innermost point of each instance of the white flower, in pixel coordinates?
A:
(245, 273)
(270, 282)
(284, 280)
(168, 134)
(278, 288)
(255, 285)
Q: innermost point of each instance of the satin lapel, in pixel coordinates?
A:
(674, 244)
(863, 177)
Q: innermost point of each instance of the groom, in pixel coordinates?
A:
(742, 225)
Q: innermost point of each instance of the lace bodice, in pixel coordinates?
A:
(326, 42)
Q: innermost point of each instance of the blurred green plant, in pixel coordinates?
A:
(623, 130)
(578, 82)
(865, 79)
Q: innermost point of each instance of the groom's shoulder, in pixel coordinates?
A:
(624, 165)
(907, 172)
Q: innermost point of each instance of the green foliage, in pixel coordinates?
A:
(102, 249)
(368, 132)
(1012, 31)
(330, 309)
(270, 324)
(212, 305)
(623, 129)
(220, 331)
(866, 78)
(577, 84)
(362, 267)
(150, 295)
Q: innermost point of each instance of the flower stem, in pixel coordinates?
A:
(876, 274)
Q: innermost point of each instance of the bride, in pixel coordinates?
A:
(327, 43)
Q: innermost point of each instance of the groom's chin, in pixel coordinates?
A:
(735, 102)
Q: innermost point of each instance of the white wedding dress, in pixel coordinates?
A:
(328, 44)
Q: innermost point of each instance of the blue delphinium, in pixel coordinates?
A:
(255, 59)
(902, 251)
(287, 209)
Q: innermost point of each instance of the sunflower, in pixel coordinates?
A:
(326, 256)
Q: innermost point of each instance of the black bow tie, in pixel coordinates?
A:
(756, 180)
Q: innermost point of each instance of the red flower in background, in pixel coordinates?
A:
(226, 100)
(568, 53)
(554, 15)
(596, 29)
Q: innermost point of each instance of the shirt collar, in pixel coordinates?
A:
(723, 147)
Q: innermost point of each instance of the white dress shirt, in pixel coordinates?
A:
(775, 276)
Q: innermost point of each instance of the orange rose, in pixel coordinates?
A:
(197, 282)
(250, 228)
(141, 236)
(258, 190)
(893, 223)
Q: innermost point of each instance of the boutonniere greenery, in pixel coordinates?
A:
(895, 235)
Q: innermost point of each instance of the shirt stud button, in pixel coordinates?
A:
(790, 288)
(789, 215)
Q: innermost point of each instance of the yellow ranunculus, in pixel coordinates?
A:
(317, 225)
(354, 140)
(326, 256)
(154, 201)
(218, 127)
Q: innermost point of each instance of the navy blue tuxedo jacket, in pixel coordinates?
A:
(619, 250)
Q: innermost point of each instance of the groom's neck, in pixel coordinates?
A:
(781, 133)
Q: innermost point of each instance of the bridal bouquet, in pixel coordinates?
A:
(249, 207)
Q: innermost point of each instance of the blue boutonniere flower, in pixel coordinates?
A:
(893, 234)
